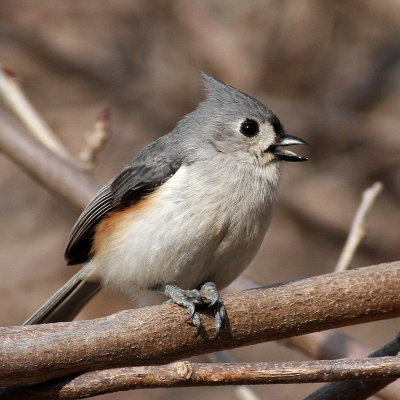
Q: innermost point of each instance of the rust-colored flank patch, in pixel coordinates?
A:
(118, 222)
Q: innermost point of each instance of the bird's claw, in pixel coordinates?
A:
(211, 297)
(191, 299)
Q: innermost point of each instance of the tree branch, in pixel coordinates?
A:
(155, 335)
(61, 176)
(358, 227)
(96, 140)
(184, 373)
(332, 344)
(358, 389)
(242, 392)
(14, 96)
(335, 344)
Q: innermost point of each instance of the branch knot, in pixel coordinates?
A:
(183, 369)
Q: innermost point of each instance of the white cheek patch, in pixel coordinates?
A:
(265, 138)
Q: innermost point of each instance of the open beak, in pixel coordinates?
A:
(287, 155)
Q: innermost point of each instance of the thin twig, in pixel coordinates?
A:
(358, 389)
(96, 139)
(59, 175)
(184, 373)
(336, 344)
(242, 392)
(358, 227)
(19, 104)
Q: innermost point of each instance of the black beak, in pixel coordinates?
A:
(287, 155)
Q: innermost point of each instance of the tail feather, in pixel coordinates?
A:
(66, 303)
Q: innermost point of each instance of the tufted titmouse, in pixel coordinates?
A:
(187, 215)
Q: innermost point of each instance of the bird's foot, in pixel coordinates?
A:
(213, 300)
(191, 300)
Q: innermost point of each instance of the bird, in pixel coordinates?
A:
(187, 215)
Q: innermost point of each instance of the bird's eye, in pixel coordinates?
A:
(249, 128)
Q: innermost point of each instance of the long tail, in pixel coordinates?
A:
(66, 303)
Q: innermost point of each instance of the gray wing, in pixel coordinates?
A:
(81, 237)
(149, 171)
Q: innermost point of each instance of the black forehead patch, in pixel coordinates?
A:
(276, 124)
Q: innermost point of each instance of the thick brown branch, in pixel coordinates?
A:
(332, 344)
(184, 373)
(155, 335)
(61, 176)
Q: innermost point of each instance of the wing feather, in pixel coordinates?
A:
(150, 170)
(80, 240)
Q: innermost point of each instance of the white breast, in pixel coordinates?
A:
(203, 224)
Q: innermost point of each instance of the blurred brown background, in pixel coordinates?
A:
(329, 69)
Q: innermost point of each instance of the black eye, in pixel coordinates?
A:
(249, 127)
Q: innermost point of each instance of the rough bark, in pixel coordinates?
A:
(157, 335)
(358, 389)
(184, 373)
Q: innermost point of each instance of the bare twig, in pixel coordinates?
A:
(336, 344)
(242, 392)
(358, 227)
(96, 139)
(184, 373)
(155, 335)
(16, 99)
(359, 389)
(59, 175)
